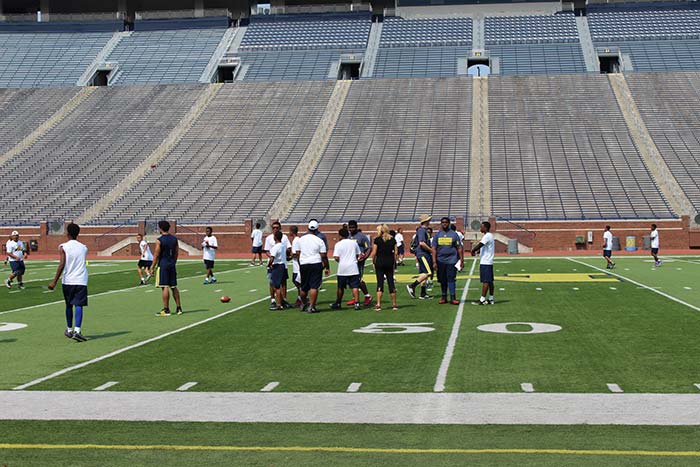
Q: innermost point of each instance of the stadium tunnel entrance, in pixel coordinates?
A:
(609, 61)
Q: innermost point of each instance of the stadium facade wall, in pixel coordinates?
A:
(235, 239)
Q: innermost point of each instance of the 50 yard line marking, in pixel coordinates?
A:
(449, 350)
(638, 284)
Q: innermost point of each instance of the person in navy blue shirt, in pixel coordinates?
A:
(363, 242)
(424, 254)
(447, 257)
(165, 258)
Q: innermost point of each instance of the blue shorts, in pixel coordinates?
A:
(654, 251)
(401, 249)
(311, 276)
(446, 273)
(144, 263)
(607, 253)
(424, 264)
(277, 273)
(345, 282)
(167, 276)
(75, 295)
(486, 273)
(17, 267)
(209, 263)
(257, 249)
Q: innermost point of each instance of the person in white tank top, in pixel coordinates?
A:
(72, 265)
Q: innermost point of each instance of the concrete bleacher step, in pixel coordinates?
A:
(651, 156)
(45, 127)
(155, 157)
(480, 167)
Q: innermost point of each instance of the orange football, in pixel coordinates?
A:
(225, 299)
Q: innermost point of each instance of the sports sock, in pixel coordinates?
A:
(491, 297)
(78, 317)
(423, 291)
(77, 329)
(482, 299)
(69, 316)
(415, 284)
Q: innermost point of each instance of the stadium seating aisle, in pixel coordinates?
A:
(560, 149)
(91, 150)
(668, 105)
(233, 162)
(400, 148)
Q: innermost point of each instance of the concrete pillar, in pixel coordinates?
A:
(198, 8)
(44, 7)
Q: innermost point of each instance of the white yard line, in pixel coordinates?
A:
(639, 284)
(134, 346)
(107, 385)
(527, 387)
(187, 386)
(612, 387)
(449, 350)
(102, 293)
(354, 387)
(376, 408)
(269, 387)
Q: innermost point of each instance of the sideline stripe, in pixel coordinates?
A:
(449, 350)
(187, 386)
(107, 385)
(354, 387)
(134, 346)
(175, 447)
(270, 386)
(105, 293)
(697, 385)
(638, 284)
(527, 387)
(612, 387)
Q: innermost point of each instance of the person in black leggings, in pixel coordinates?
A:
(384, 254)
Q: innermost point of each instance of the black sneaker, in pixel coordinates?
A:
(287, 305)
(479, 302)
(20, 286)
(280, 308)
(312, 309)
(68, 333)
(358, 307)
(491, 302)
(163, 312)
(178, 311)
(411, 291)
(273, 306)
(8, 283)
(425, 297)
(612, 266)
(336, 306)
(78, 337)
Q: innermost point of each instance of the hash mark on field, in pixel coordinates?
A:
(688, 288)
(150, 291)
(15, 291)
(697, 385)
(502, 289)
(218, 290)
(107, 385)
(187, 386)
(527, 387)
(627, 269)
(270, 386)
(253, 290)
(47, 291)
(614, 388)
(184, 290)
(613, 288)
(575, 288)
(322, 290)
(539, 289)
(354, 387)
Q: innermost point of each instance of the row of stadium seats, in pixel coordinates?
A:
(645, 24)
(531, 29)
(285, 65)
(398, 32)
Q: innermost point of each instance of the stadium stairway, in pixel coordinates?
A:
(186, 247)
(51, 122)
(224, 45)
(584, 36)
(480, 167)
(651, 156)
(100, 59)
(155, 157)
(291, 192)
(370, 58)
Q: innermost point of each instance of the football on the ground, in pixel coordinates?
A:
(225, 299)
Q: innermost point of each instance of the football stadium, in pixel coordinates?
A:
(350, 233)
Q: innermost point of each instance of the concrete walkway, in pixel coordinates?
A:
(373, 408)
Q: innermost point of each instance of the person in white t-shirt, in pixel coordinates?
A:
(75, 280)
(346, 253)
(16, 253)
(654, 236)
(256, 238)
(607, 247)
(313, 259)
(487, 248)
(296, 275)
(209, 247)
(276, 266)
(400, 245)
(267, 247)
(145, 260)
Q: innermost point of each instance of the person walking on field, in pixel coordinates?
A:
(424, 258)
(384, 255)
(447, 258)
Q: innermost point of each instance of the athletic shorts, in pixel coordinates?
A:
(257, 249)
(424, 264)
(446, 273)
(401, 250)
(17, 267)
(167, 276)
(485, 273)
(607, 253)
(351, 282)
(144, 263)
(75, 295)
(311, 276)
(277, 275)
(209, 263)
(654, 251)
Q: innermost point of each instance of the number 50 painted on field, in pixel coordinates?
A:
(395, 328)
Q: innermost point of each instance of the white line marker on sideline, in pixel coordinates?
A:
(270, 386)
(187, 386)
(639, 284)
(697, 385)
(449, 350)
(539, 289)
(354, 387)
(614, 388)
(613, 288)
(219, 290)
(253, 290)
(575, 288)
(688, 288)
(134, 346)
(184, 290)
(107, 385)
(150, 291)
(527, 387)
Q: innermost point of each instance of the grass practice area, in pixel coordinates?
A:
(559, 325)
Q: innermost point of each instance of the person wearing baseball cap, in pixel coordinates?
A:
(311, 252)
(16, 252)
(424, 257)
(313, 228)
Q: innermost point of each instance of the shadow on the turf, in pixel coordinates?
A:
(187, 312)
(108, 334)
(7, 341)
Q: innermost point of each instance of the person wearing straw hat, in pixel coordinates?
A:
(16, 253)
(424, 257)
